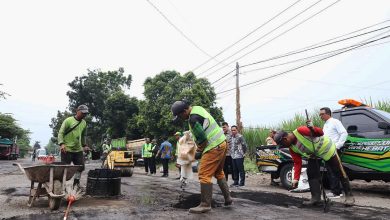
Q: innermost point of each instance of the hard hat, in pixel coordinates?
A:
(177, 108)
(279, 136)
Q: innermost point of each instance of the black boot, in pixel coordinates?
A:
(206, 194)
(315, 191)
(225, 191)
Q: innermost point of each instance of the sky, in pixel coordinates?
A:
(45, 44)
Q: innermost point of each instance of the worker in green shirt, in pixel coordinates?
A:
(71, 138)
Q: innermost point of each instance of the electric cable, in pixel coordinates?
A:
(310, 63)
(272, 38)
(295, 16)
(247, 35)
(180, 31)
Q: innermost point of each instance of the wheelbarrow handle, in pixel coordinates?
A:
(20, 167)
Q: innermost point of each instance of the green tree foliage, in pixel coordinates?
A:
(111, 110)
(56, 123)
(162, 90)
(11, 130)
(3, 94)
(52, 148)
(119, 112)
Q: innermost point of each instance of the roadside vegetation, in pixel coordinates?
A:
(255, 136)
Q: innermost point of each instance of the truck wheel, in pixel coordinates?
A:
(286, 175)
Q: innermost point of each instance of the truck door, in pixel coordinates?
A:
(363, 124)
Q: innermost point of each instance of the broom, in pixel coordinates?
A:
(72, 194)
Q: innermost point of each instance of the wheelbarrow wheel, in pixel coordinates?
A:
(54, 203)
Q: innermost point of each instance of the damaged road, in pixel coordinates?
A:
(154, 197)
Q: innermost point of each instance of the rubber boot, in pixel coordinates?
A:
(225, 191)
(206, 191)
(349, 199)
(315, 191)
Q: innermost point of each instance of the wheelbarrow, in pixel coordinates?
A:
(51, 179)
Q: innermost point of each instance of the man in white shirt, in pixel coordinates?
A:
(335, 130)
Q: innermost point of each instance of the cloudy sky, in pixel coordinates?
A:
(46, 44)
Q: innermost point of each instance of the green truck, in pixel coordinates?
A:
(365, 155)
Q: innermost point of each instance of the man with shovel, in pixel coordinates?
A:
(310, 142)
(211, 150)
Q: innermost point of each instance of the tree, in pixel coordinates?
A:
(9, 129)
(102, 92)
(52, 148)
(3, 94)
(119, 115)
(161, 91)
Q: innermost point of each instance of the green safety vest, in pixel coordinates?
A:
(146, 150)
(323, 146)
(214, 133)
(106, 148)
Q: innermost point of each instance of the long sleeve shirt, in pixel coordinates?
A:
(297, 158)
(166, 150)
(335, 131)
(74, 140)
(239, 146)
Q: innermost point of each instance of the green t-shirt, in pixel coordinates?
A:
(74, 140)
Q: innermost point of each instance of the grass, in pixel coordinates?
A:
(250, 165)
(255, 136)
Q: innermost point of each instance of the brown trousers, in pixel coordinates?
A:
(211, 164)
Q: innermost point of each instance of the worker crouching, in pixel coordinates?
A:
(211, 150)
(310, 142)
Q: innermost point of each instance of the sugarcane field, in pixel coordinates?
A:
(200, 109)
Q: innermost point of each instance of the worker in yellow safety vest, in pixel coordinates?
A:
(310, 142)
(211, 151)
(147, 155)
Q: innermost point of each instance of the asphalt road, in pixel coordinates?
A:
(154, 197)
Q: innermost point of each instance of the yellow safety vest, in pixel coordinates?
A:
(323, 146)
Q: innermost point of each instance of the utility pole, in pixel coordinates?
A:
(238, 111)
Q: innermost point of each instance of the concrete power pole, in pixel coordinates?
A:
(238, 111)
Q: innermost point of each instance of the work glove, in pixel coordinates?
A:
(309, 124)
(198, 155)
(294, 184)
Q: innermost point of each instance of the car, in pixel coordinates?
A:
(365, 154)
(41, 153)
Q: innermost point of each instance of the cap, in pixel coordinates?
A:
(279, 136)
(178, 133)
(177, 108)
(83, 109)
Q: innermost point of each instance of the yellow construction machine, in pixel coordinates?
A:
(119, 157)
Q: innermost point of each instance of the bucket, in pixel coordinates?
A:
(104, 183)
(95, 155)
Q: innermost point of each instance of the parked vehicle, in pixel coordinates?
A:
(41, 153)
(365, 155)
(8, 149)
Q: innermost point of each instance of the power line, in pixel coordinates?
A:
(272, 38)
(247, 35)
(259, 39)
(310, 63)
(312, 48)
(180, 31)
(223, 76)
(310, 57)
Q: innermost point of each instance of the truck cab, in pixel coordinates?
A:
(365, 154)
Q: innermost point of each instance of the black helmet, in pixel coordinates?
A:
(177, 108)
(279, 135)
